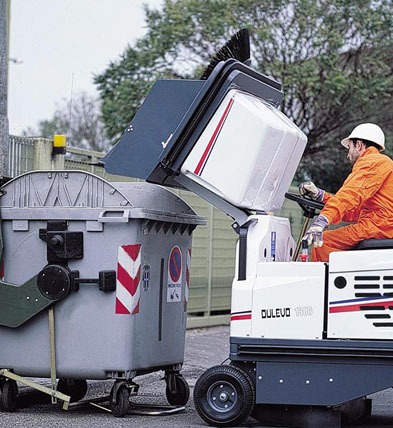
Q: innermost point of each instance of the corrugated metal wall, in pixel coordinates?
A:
(20, 155)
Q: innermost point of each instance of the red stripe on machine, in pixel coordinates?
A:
(213, 138)
(353, 308)
(240, 317)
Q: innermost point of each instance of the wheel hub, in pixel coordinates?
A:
(222, 396)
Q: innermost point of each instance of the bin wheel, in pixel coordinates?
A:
(75, 388)
(9, 394)
(122, 402)
(182, 392)
(224, 396)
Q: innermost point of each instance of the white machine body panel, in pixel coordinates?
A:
(288, 300)
(269, 239)
(361, 295)
(247, 154)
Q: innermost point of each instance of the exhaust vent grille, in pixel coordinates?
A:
(371, 283)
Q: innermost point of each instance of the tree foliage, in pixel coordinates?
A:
(332, 57)
(79, 120)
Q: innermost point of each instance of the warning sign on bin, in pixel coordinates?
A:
(174, 275)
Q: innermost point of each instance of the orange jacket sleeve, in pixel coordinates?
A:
(350, 216)
(367, 177)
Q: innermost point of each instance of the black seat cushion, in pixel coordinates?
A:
(374, 244)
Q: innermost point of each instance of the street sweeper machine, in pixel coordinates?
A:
(308, 341)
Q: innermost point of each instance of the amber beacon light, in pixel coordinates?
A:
(59, 145)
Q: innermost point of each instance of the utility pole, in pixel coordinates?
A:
(4, 127)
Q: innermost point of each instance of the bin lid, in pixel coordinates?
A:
(80, 195)
(212, 134)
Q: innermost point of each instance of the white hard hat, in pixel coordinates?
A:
(366, 131)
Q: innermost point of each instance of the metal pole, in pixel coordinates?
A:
(299, 243)
(210, 271)
(4, 126)
(52, 352)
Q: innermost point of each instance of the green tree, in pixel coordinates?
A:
(79, 120)
(332, 57)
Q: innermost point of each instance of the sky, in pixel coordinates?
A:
(62, 44)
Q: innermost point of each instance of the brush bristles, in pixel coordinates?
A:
(238, 47)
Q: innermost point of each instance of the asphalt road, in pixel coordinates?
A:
(204, 348)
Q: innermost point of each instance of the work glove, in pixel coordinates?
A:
(314, 234)
(308, 188)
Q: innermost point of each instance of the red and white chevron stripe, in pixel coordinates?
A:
(187, 287)
(128, 278)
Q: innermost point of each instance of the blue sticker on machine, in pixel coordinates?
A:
(273, 246)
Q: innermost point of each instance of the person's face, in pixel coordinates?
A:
(354, 151)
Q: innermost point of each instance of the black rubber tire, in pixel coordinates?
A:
(120, 408)
(75, 388)
(224, 396)
(9, 395)
(182, 395)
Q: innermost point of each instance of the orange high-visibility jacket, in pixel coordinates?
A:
(366, 196)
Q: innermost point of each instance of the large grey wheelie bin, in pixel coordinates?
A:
(112, 260)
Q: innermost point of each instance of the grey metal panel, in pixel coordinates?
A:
(318, 384)
(137, 152)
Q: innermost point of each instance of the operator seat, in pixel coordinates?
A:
(374, 244)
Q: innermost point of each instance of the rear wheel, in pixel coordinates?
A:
(75, 388)
(120, 404)
(180, 394)
(9, 394)
(224, 396)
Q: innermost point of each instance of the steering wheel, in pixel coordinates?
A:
(307, 205)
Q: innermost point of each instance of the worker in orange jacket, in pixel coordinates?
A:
(365, 199)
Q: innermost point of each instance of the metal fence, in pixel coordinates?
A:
(21, 155)
(213, 249)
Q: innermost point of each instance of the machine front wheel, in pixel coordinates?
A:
(180, 396)
(120, 405)
(9, 394)
(224, 396)
(75, 388)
